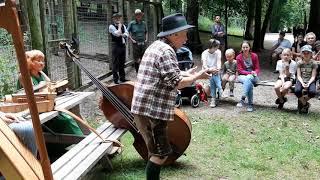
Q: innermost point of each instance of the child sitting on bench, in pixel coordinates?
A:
(305, 88)
(211, 59)
(287, 69)
(229, 71)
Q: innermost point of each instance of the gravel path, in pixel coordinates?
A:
(264, 97)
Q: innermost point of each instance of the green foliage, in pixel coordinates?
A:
(8, 72)
(5, 38)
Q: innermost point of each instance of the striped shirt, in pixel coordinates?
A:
(155, 89)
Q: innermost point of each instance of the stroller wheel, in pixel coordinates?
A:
(195, 101)
(178, 101)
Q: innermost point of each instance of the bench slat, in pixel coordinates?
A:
(73, 163)
(57, 165)
(93, 158)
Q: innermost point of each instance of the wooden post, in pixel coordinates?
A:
(154, 30)
(120, 7)
(109, 21)
(130, 9)
(42, 7)
(147, 18)
(73, 72)
(24, 10)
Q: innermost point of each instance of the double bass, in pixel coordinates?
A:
(116, 103)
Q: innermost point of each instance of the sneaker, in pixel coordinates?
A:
(305, 108)
(231, 94)
(299, 106)
(277, 101)
(213, 103)
(250, 108)
(241, 103)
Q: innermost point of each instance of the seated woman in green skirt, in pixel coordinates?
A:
(63, 123)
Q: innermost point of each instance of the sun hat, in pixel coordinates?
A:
(173, 23)
(306, 48)
(138, 11)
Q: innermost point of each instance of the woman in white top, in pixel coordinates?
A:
(211, 59)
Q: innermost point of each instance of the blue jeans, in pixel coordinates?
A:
(248, 81)
(24, 130)
(215, 82)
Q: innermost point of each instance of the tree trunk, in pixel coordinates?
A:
(35, 24)
(250, 21)
(226, 26)
(192, 19)
(266, 22)
(314, 20)
(257, 29)
(275, 19)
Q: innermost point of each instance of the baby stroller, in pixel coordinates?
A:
(194, 93)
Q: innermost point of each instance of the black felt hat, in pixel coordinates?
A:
(173, 23)
(117, 15)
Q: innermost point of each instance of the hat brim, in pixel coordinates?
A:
(117, 15)
(166, 33)
(306, 50)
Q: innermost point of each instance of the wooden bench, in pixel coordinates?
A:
(80, 159)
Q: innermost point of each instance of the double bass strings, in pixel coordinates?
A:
(107, 93)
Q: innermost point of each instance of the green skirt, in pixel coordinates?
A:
(65, 124)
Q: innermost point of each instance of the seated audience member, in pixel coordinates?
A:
(211, 59)
(23, 129)
(279, 46)
(311, 40)
(248, 70)
(296, 47)
(305, 87)
(229, 71)
(63, 123)
(287, 68)
(316, 55)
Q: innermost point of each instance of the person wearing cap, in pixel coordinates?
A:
(155, 90)
(119, 33)
(279, 46)
(305, 87)
(138, 35)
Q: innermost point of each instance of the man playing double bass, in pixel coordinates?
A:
(154, 95)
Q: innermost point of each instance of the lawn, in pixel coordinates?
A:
(267, 144)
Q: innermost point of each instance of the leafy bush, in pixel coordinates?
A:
(8, 73)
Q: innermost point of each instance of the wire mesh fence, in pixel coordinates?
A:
(92, 26)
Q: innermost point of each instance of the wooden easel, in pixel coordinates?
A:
(9, 160)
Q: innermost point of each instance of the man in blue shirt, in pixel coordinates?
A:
(279, 46)
(218, 32)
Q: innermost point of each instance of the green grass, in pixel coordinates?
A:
(248, 146)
